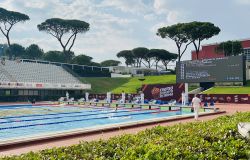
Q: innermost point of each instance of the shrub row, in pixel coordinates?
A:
(215, 139)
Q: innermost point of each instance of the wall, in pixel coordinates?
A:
(115, 75)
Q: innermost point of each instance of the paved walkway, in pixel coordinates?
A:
(229, 108)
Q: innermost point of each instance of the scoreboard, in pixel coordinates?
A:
(226, 69)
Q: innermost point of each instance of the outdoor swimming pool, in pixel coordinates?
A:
(26, 120)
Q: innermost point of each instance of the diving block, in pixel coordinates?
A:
(244, 129)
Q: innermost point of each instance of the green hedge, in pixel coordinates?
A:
(215, 139)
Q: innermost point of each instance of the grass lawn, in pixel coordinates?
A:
(134, 83)
(129, 85)
(228, 90)
(103, 85)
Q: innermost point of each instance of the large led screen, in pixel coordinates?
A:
(226, 69)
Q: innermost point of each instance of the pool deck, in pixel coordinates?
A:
(70, 140)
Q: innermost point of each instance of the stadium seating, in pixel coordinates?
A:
(13, 71)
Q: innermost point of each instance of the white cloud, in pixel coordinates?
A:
(7, 4)
(155, 27)
(131, 6)
(103, 39)
(35, 4)
(244, 2)
(124, 24)
(173, 17)
(150, 17)
(161, 6)
(164, 9)
(88, 11)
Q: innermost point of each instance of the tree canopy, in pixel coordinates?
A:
(230, 48)
(82, 60)
(59, 28)
(33, 52)
(108, 63)
(199, 31)
(54, 56)
(176, 32)
(139, 53)
(128, 56)
(8, 19)
(15, 50)
(150, 56)
(167, 57)
(156, 53)
(186, 33)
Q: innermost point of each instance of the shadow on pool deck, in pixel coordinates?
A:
(67, 141)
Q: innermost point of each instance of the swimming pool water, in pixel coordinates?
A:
(49, 119)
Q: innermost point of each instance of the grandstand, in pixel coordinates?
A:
(77, 70)
(21, 80)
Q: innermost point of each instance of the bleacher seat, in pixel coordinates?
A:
(14, 71)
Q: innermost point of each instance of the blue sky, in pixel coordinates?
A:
(116, 25)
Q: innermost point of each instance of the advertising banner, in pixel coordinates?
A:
(164, 92)
(27, 85)
(224, 98)
(168, 92)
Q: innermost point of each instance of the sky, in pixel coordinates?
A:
(117, 25)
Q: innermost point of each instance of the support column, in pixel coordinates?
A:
(108, 97)
(86, 96)
(142, 98)
(123, 97)
(186, 93)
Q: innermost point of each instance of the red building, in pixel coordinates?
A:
(208, 51)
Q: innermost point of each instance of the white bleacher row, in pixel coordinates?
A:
(35, 72)
(3, 77)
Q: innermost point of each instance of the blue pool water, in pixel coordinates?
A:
(35, 120)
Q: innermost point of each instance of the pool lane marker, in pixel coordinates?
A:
(38, 115)
(80, 115)
(105, 117)
(99, 108)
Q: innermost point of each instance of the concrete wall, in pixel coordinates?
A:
(116, 75)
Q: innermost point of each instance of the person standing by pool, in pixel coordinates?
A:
(123, 97)
(142, 98)
(183, 98)
(196, 103)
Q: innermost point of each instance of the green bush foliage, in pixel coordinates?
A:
(215, 139)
